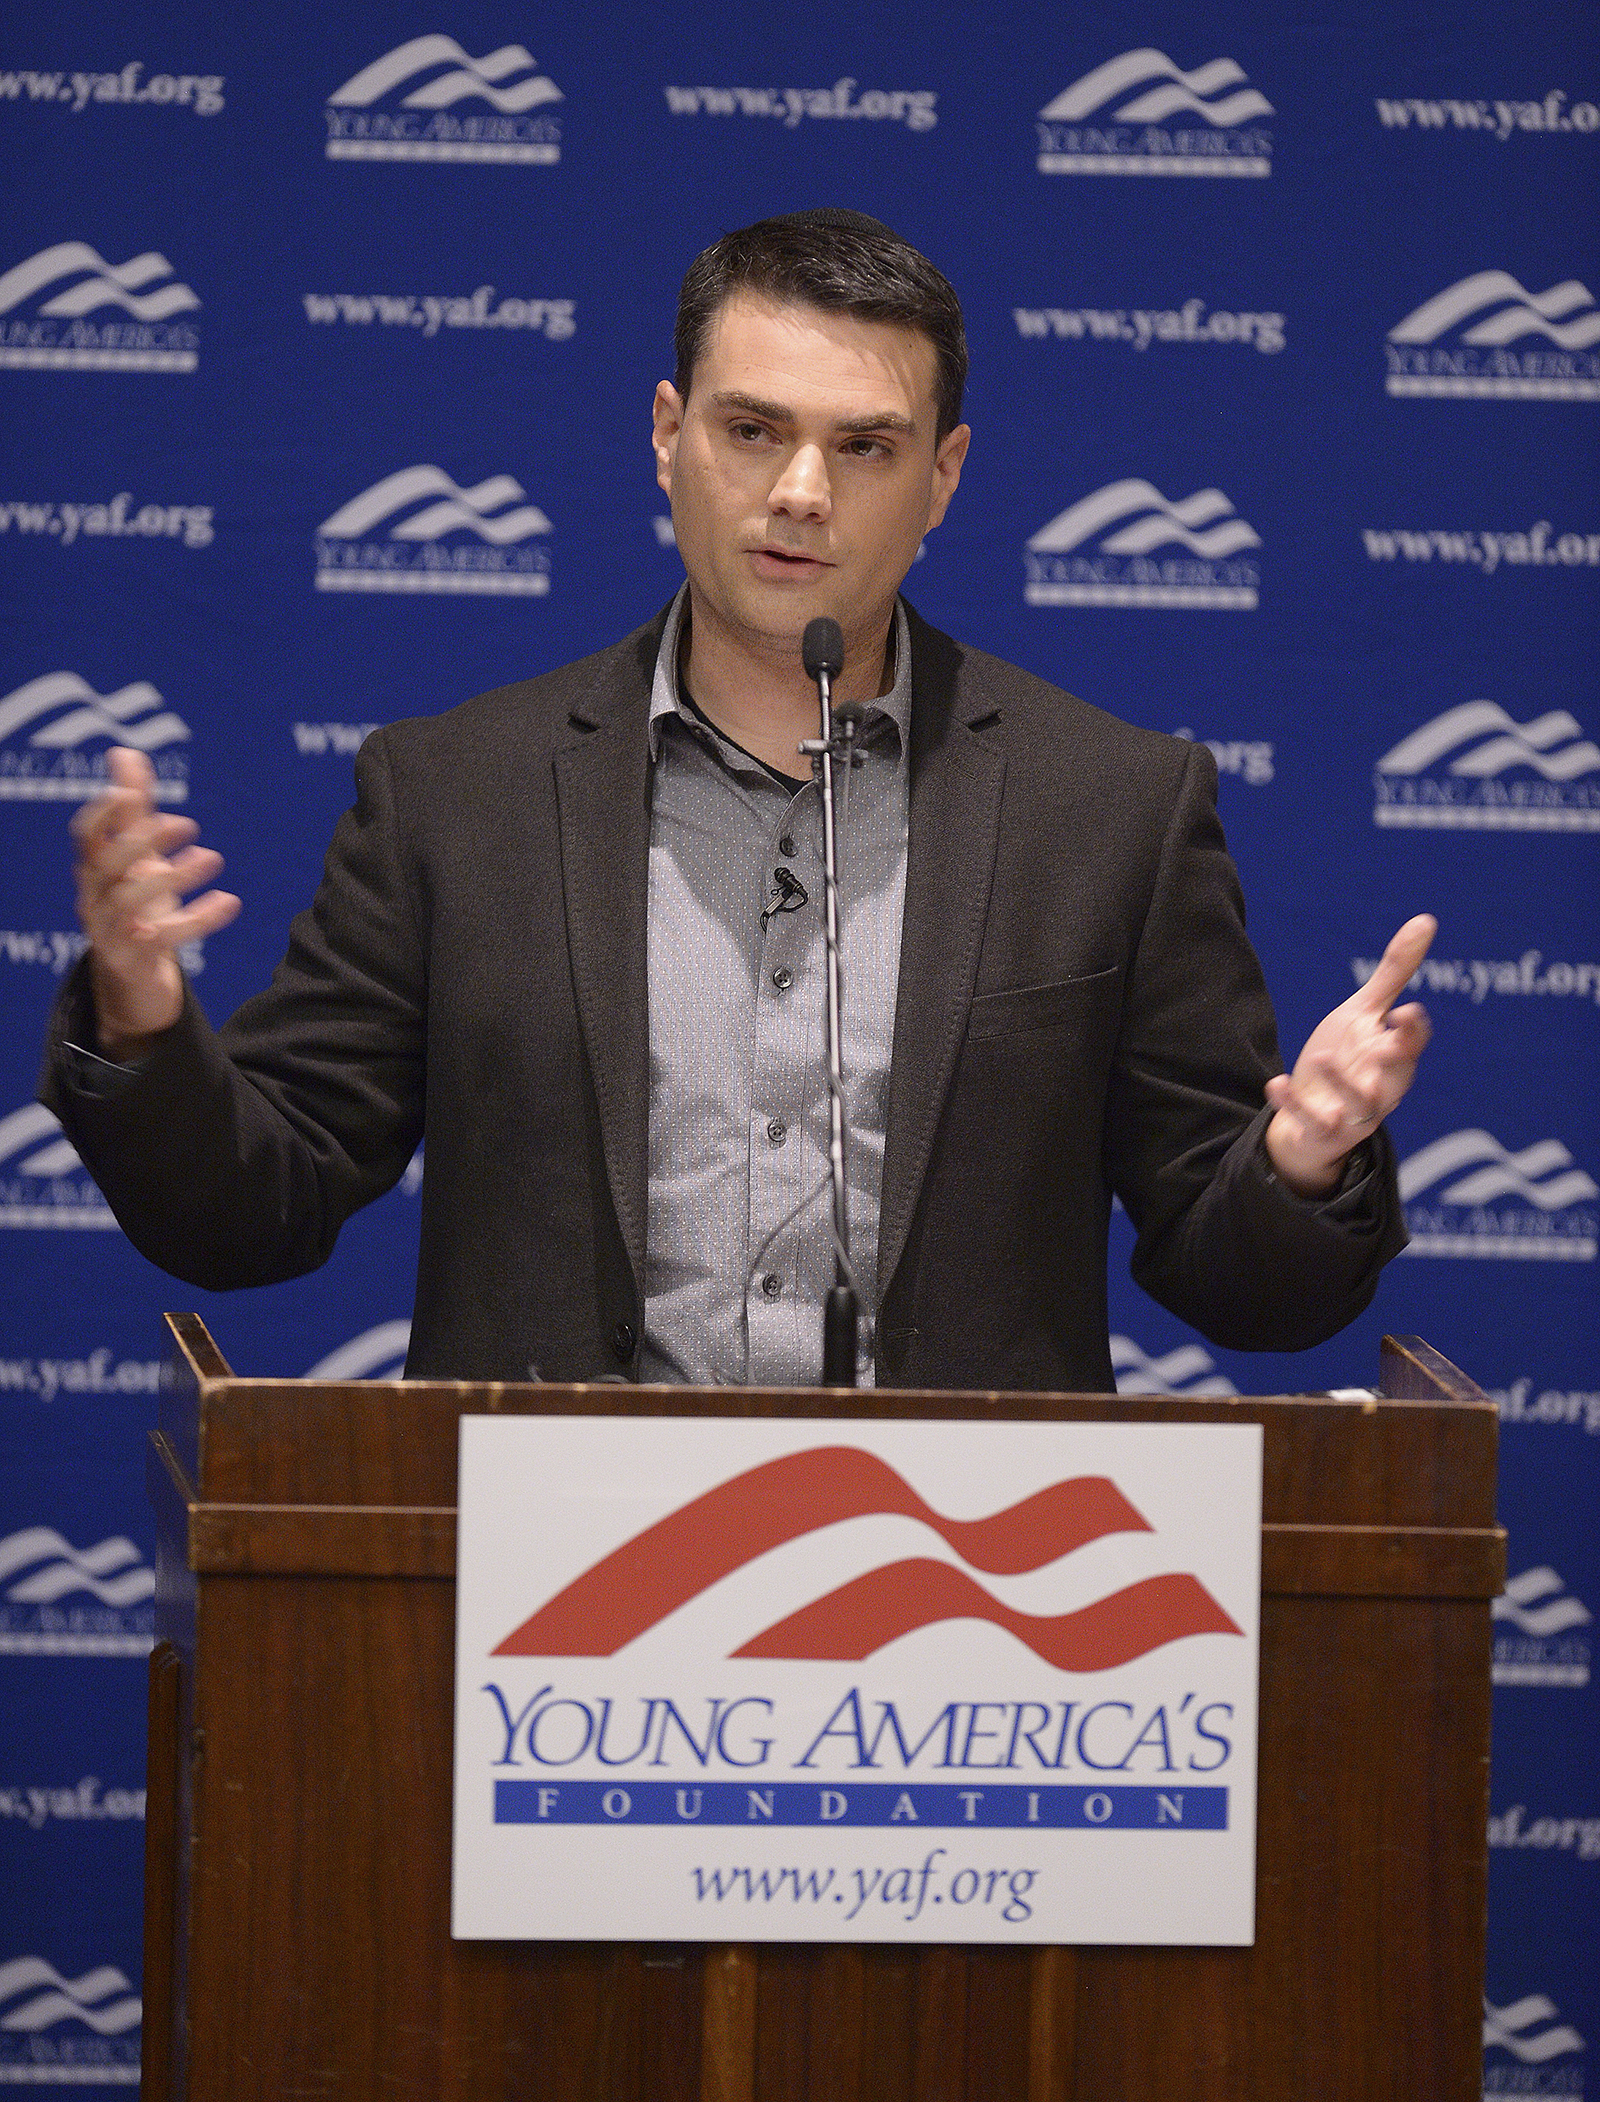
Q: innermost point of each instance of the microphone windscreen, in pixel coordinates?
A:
(822, 647)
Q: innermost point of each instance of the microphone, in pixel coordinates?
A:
(822, 654)
(792, 894)
(822, 648)
(848, 718)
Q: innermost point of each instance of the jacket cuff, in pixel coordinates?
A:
(1364, 1203)
(72, 1073)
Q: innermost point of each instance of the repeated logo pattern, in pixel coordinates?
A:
(1536, 1643)
(1492, 778)
(45, 1582)
(1203, 122)
(43, 1183)
(1474, 768)
(46, 304)
(1187, 1370)
(1529, 2030)
(1461, 343)
(54, 731)
(41, 2005)
(1110, 549)
(1468, 1195)
(400, 107)
(380, 542)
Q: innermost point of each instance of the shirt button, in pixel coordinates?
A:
(783, 978)
(771, 1284)
(786, 844)
(777, 1130)
(622, 1342)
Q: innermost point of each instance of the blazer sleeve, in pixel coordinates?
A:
(233, 1157)
(1222, 1241)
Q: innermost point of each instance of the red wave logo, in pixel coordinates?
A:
(630, 1590)
(861, 1617)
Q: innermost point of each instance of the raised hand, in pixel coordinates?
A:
(135, 864)
(1356, 1065)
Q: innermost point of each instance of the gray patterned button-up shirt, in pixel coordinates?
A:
(739, 1254)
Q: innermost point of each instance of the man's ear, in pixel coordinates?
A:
(947, 471)
(666, 426)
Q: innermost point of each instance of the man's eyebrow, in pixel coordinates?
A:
(779, 412)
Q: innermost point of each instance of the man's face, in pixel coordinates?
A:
(803, 468)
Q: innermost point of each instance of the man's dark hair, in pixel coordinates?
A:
(842, 262)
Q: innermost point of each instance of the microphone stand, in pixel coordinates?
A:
(822, 651)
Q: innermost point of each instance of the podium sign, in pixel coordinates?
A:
(797, 1680)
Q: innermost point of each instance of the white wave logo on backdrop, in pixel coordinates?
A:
(46, 725)
(1459, 344)
(1534, 1642)
(1528, 2031)
(1451, 773)
(1186, 1370)
(101, 2011)
(1468, 1195)
(57, 1600)
(377, 1353)
(382, 541)
(1108, 549)
(1141, 114)
(42, 1180)
(43, 326)
(399, 107)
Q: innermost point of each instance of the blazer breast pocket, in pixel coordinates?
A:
(1042, 1006)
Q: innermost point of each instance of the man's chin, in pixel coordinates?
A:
(779, 611)
(774, 616)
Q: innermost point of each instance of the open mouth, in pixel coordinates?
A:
(785, 558)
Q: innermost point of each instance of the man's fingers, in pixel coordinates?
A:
(152, 879)
(129, 798)
(150, 837)
(107, 814)
(170, 930)
(131, 794)
(1331, 1098)
(1407, 1036)
(130, 768)
(109, 910)
(216, 909)
(100, 879)
(1399, 962)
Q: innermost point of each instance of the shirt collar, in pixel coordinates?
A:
(665, 698)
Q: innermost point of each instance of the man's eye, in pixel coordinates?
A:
(868, 448)
(749, 433)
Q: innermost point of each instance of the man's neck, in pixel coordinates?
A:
(760, 697)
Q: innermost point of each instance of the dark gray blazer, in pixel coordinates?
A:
(1079, 1013)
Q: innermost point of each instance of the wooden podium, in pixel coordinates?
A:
(297, 1936)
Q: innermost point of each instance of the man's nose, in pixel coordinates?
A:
(802, 490)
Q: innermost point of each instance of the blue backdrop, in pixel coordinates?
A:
(326, 343)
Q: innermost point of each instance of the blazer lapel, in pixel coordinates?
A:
(603, 798)
(957, 779)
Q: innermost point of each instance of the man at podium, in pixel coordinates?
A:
(571, 930)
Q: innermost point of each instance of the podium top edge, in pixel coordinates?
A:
(1425, 1457)
(1415, 1375)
